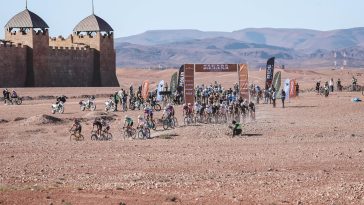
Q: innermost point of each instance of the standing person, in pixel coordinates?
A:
(331, 85)
(165, 86)
(297, 89)
(318, 87)
(274, 98)
(283, 94)
(121, 95)
(338, 85)
(354, 81)
(116, 100)
(6, 95)
(124, 101)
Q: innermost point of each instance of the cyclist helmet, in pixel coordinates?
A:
(140, 117)
(234, 122)
(126, 117)
(189, 104)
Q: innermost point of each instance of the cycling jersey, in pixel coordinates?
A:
(129, 121)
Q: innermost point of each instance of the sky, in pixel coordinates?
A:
(131, 17)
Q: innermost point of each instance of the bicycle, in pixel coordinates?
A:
(75, 135)
(168, 123)
(144, 133)
(105, 136)
(156, 106)
(151, 124)
(128, 133)
(189, 119)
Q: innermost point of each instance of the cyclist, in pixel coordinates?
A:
(106, 125)
(197, 108)
(98, 124)
(237, 128)
(148, 113)
(185, 110)
(169, 111)
(252, 110)
(128, 122)
(6, 95)
(142, 123)
(77, 126)
(14, 94)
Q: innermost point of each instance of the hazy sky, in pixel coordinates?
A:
(130, 17)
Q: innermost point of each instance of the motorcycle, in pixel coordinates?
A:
(110, 106)
(87, 104)
(58, 108)
(16, 101)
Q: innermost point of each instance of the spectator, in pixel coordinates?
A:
(283, 97)
(331, 85)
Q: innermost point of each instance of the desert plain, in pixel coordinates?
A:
(310, 152)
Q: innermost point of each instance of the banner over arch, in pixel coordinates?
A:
(187, 77)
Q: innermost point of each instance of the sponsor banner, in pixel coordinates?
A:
(244, 81)
(181, 78)
(189, 81)
(216, 68)
(287, 87)
(145, 89)
(292, 90)
(277, 84)
(160, 89)
(269, 73)
(174, 83)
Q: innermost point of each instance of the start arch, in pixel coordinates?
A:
(187, 77)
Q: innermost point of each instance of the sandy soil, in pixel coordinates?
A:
(308, 153)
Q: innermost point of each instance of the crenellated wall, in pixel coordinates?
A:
(76, 61)
(105, 45)
(71, 67)
(13, 65)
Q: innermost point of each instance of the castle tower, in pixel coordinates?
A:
(28, 29)
(98, 34)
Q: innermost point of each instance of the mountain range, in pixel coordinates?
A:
(292, 47)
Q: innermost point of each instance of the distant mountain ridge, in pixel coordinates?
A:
(292, 47)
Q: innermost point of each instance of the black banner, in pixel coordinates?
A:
(181, 79)
(270, 73)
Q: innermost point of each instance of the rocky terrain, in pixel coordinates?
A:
(311, 152)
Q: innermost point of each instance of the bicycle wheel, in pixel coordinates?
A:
(19, 101)
(109, 136)
(141, 134)
(165, 124)
(72, 137)
(186, 121)
(94, 137)
(157, 107)
(154, 125)
(126, 134)
(175, 122)
(133, 133)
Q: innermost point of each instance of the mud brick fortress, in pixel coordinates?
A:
(30, 58)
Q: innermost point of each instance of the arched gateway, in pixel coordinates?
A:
(186, 79)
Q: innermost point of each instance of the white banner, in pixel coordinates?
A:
(160, 89)
(287, 86)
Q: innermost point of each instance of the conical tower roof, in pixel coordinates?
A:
(93, 23)
(26, 19)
